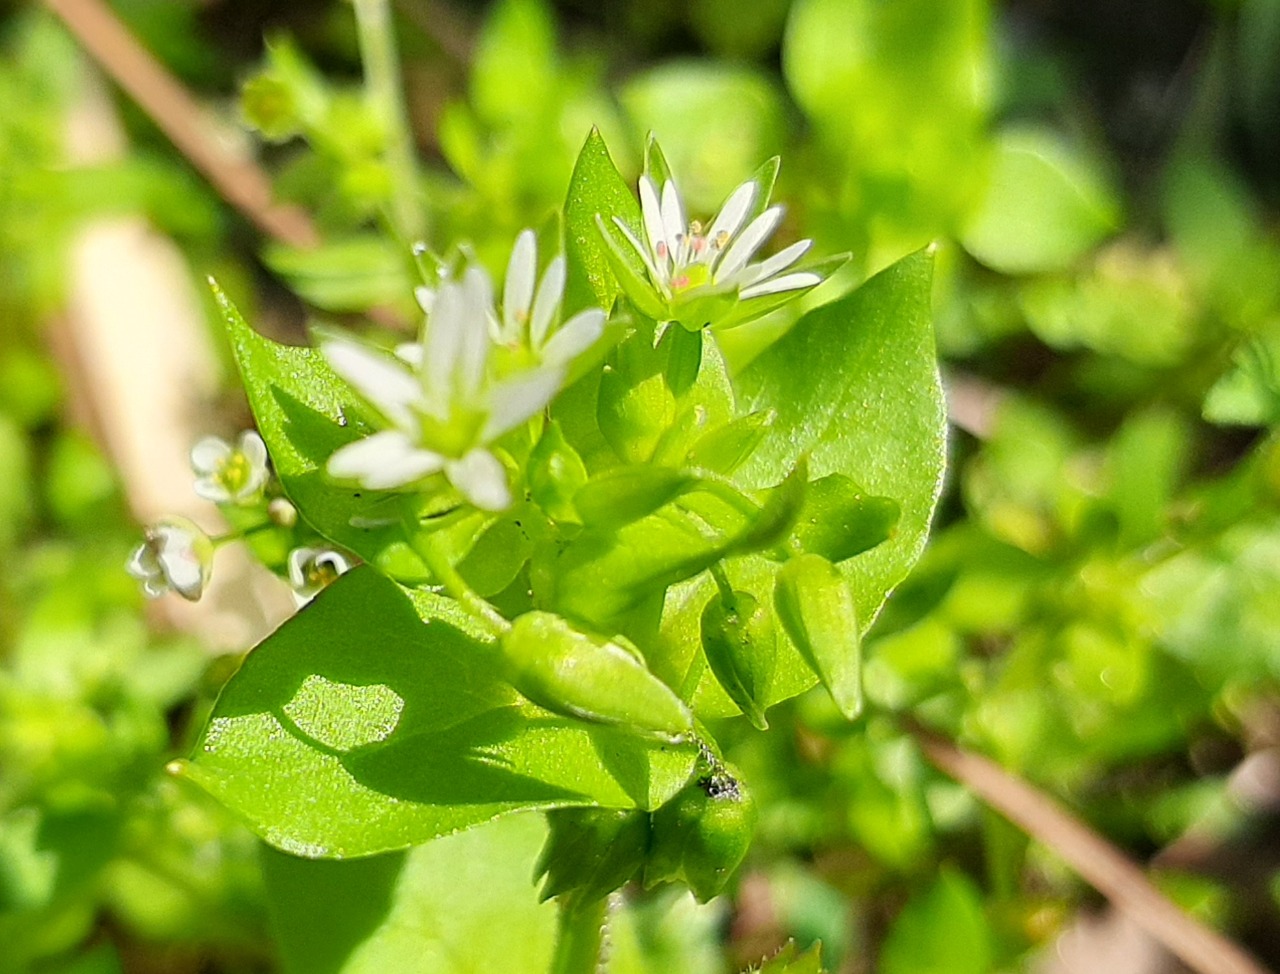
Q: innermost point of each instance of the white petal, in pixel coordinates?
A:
(653, 227)
(254, 450)
(734, 211)
(298, 559)
(212, 489)
(672, 216)
(208, 455)
(744, 248)
(155, 586)
(426, 297)
(517, 292)
(481, 479)
(411, 354)
(787, 282)
(474, 351)
(640, 249)
(574, 337)
(441, 342)
(179, 560)
(550, 291)
(514, 400)
(779, 262)
(383, 461)
(142, 562)
(337, 562)
(388, 386)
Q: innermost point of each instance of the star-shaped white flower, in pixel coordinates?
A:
(676, 270)
(446, 398)
(227, 474)
(176, 556)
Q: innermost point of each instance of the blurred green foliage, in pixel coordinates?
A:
(1098, 608)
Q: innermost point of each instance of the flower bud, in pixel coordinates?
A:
(741, 648)
(781, 508)
(816, 609)
(727, 447)
(556, 472)
(702, 835)
(571, 673)
(591, 851)
(176, 556)
(626, 494)
(838, 519)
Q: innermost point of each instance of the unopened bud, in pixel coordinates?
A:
(702, 835)
(591, 851)
(571, 673)
(556, 473)
(741, 648)
(839, 520)
(727, 447)
(816, 609)
(626, 494)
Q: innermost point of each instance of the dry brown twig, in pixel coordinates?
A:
(1096, 860)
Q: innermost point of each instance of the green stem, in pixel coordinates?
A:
(383, 86)
(580, 934)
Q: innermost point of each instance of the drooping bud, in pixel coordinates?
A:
(571, 673)
(727, 447)
(591, 851)
(702, 835)
(741, 648)
(816, 609)
(625, 494)
(556, 473)
(176, 556)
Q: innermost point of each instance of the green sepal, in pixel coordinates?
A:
(591, 851)
(741, 647)
(566, 671)
(629, 271)
(655, 162)
(816, 608)
(838, 520)
(556, 473)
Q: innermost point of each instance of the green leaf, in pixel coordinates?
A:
(359, 728)
(596, 188)
(786, 961)
(304, 412)
(462, 904)
(855, 385)
(941, 930)
(352, 274)
(1047, 204)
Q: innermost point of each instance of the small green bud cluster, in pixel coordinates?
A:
(699, 838)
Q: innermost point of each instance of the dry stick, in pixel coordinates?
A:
(1100, 863)
(239, 180)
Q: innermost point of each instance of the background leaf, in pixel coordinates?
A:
(596, 187)
(941, 930)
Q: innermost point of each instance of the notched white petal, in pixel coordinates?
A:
(379, 379)
(734, 212)
(654, 229)
(779, 262)
(574, 337)
(516, 399)
(787, 282)
(517, 292)
(743, 249)
(383, 461)
(547, 303)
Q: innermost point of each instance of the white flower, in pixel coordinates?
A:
(176, 556)
(311, 569)
(700, 275)
(446, 398)
(227, 474)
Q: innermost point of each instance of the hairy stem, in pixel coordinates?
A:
(580, 935)
(383, 85)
